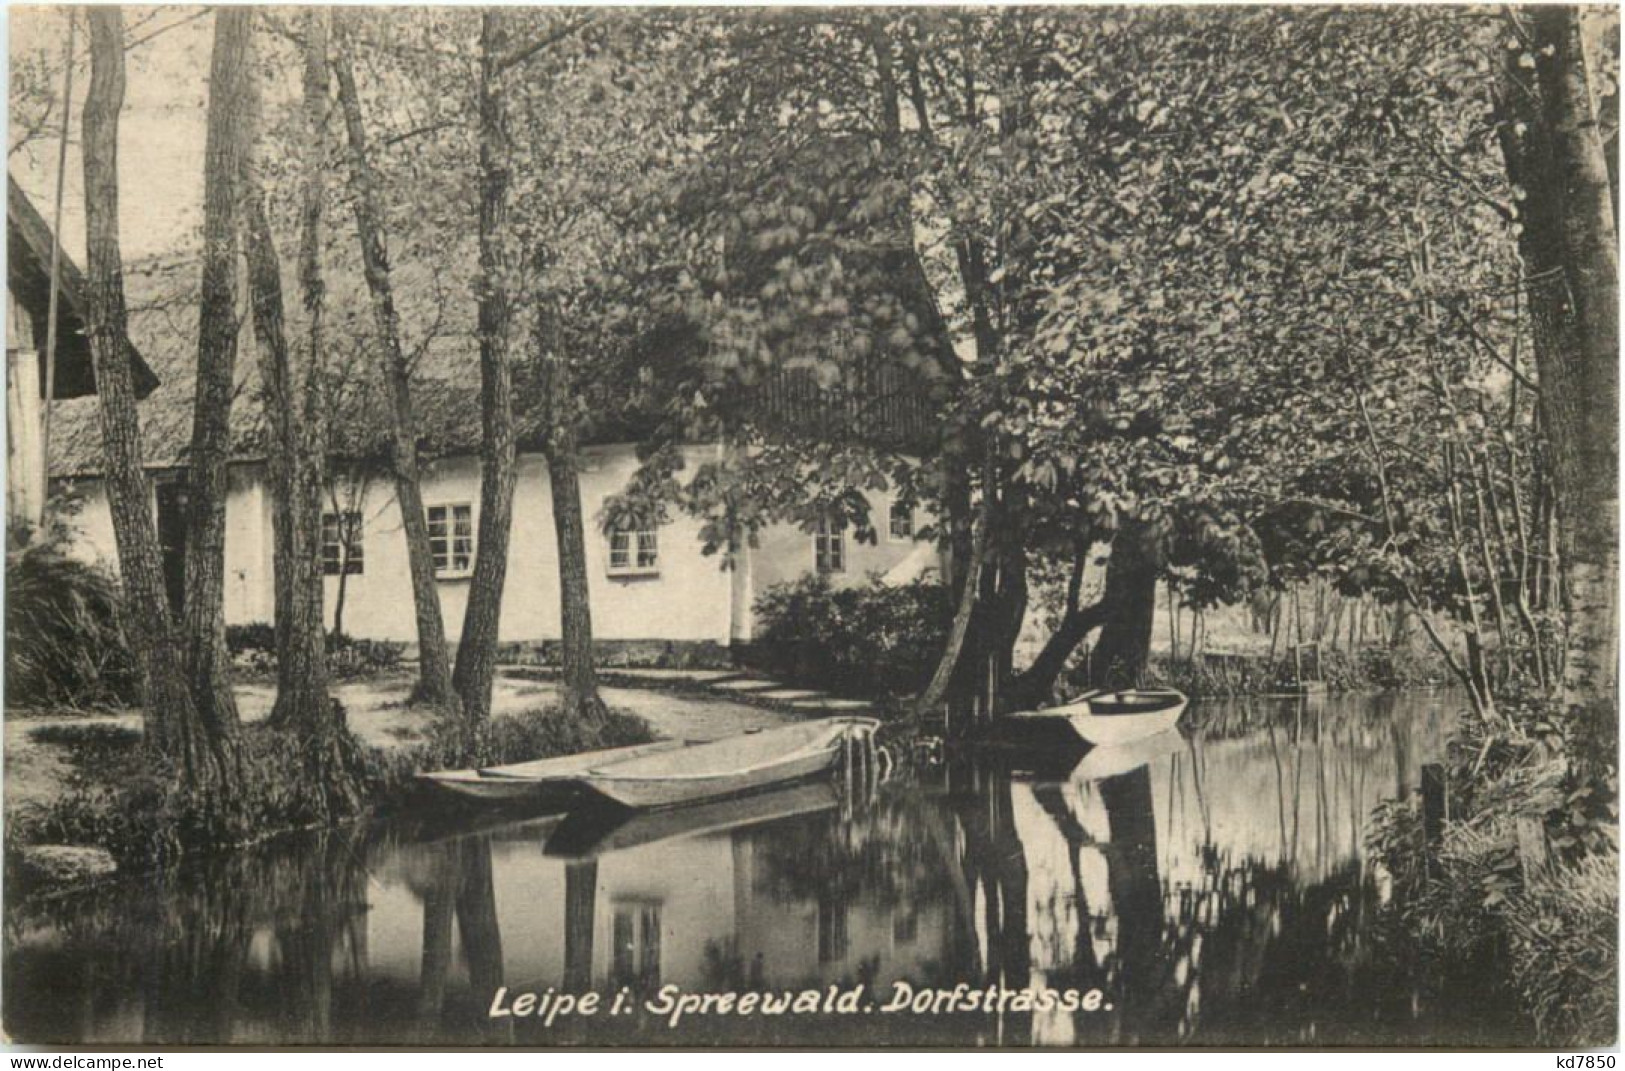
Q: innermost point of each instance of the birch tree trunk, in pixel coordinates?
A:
(434, 666)
(1582, 418)
(208, 661)
(476, 653)
(171, 720)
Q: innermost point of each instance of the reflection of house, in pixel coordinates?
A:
(700, 912)
(647, 583)
(29, 245)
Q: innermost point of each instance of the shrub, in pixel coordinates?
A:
(253, 647)
(65, 645)
(349, 657)
(256, 636)
(871, 640)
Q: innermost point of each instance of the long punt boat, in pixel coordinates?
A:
(555, 780)
(727, 767)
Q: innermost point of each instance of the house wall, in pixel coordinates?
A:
(25, 463)
(691, 599)
(687, 600)
(784, 553)
(248, 593)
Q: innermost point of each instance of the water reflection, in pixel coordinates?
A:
(1210, 885)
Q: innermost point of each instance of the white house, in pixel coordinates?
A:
(654, 594)
(651, 591)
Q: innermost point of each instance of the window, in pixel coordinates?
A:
(829, 547)
(341, 543)
(900, 524)
(634, 552)
(451, 538)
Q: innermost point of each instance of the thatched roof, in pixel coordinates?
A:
(883, 404)
(29, 244)
(163, 322)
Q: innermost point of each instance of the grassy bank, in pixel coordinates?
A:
(1521, 878)
(119, 800)
(83, 801)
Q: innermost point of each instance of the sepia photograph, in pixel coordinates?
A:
(791, 527)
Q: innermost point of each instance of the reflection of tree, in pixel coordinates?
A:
(580, 902)
(454, 881)
(995, 866)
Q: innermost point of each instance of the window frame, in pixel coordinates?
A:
(827, 537)
(891, 523)
(449, 571)
(350, 555)
(634, 565)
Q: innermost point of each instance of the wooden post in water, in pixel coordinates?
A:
(1435, 802)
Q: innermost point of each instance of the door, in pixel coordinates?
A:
(172, 500)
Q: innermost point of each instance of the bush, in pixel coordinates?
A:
(870, 640)
(254, 637)
(65, 645)
(349, 657)
(253, 648)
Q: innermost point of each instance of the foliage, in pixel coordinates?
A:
(871, 639)
(250, 638)
(349, 657)
(65, 644)
(253, 646)
(124, 797)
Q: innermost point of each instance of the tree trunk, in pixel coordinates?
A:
(476, 653)
(293, 404)
(1124, 648)
(1581, 415)
(937, 690)
(434, 665)
(579, 678)
(208, 661)
(171, 720)
(1036, 684)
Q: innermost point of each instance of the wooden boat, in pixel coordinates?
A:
(554, 780)
(1105, 718)
(589, 832)
(728, 767)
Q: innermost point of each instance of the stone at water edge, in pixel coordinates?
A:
(62, 865)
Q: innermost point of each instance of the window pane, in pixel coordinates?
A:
(648, 550)
(620, 555)
(352, 542)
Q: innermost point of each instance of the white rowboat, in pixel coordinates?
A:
(1111, 718)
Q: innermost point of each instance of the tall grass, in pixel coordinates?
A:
(65, 645)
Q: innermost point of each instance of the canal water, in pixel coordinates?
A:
(1207, 888)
